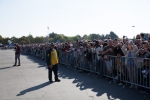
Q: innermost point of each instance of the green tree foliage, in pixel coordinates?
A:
(94, 36)
(30, 38)
(59, 37)
(1, 39)
(14, 39)
(113, 35)
(77, 37)
(102, 37)
(51, 40)
(54, 37)
(5, 41)
(39, 39)
(85, 37)
(24, 40)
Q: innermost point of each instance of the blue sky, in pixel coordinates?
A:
(72, 17)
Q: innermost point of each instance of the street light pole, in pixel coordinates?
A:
(47, 30)
(133, 32)
(47, 34)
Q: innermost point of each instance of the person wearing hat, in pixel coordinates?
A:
(17, 54)
(52, 63)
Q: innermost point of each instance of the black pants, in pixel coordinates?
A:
(17, 56)
(55, 70)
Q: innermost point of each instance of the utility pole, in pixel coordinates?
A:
(133, 32)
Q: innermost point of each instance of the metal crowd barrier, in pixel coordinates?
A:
(133, 71)
(34, 52)
(116, 69)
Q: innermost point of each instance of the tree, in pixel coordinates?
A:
(46, 39)
(85, 36)
(77, 37)
(113, 35)
(52, 35)
(102, 37)
(51, 40)
(39, 39)
(5, 41)
(94, 36)
(14, 39)
(24, 40)
(30, 38)
(60, 37)
(107, 35)
(1, 39)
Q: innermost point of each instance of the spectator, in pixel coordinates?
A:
(138, 43)
(138, 36)
(17, 54)
(120, 67)
(107, 52)
(88, 56)
(129, 49)
(115, 42)
(99, 49)
(81, 58)
(145, 76)
(143, 37)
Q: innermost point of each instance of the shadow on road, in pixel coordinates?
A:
(34, 88)
(6, 67)
(40, 62)
(100, 86)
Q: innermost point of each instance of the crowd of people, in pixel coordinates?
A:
(123, 61)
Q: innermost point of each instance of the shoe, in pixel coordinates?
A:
(136, 87)
(120, 84)
(14, 65)
(18, 65)
(116, 78)
(142, 92)
(80, 71)
(51, 81)
(147, 93)
(58, 80)
(131, 86)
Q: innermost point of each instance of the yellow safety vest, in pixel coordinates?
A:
(54, 57)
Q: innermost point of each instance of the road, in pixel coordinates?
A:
(30, 82)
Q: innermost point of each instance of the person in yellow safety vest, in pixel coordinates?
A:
(52, 63)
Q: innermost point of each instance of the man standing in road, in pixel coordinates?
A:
(17, 55)
(52, 63)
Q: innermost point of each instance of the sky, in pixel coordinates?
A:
(74, 17)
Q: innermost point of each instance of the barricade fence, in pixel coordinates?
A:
(125, 70)
(34, 52)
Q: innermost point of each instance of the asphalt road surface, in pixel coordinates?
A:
(30, 82)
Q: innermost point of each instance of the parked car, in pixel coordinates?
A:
(2, 47)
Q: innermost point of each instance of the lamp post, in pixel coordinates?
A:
(133, 32)
(47, 34)
(47, 30)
